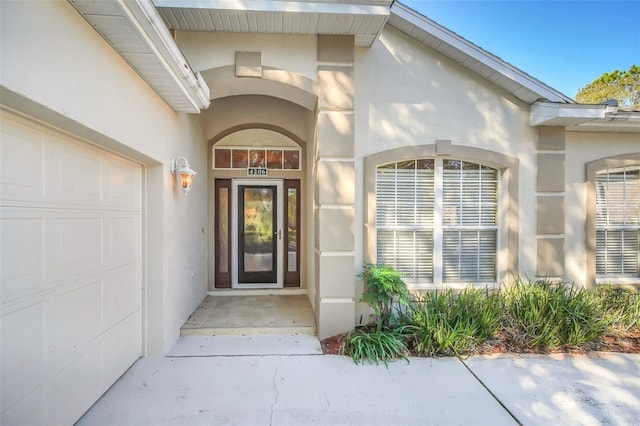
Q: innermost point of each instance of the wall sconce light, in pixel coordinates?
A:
(184, 173)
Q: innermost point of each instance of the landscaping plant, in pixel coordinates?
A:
(537, 316)
(622, 305)
(547, 315)
(383, 288)
(445, 323)
(372, 346)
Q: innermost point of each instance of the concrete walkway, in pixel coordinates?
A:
(201, 384)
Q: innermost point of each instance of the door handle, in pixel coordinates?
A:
(279, 234)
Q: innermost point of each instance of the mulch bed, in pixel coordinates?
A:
(331, 345)
(629, 343)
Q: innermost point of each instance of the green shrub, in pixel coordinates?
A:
(621, 305)
(383, 288)
(445, 323)
(527, 315)
(372, 346)
(547, 315)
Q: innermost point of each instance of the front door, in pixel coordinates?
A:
(257, 233)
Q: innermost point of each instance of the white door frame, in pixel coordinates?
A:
(279, 184)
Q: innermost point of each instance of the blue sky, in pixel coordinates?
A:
(565, 44)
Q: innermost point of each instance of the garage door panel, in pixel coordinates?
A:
(77, 317)
(66, 393)
(120, 348)
(63, 171)
(93, 371)
(56, 246)
(121, 184)
(121, 296)
(71, 271)
(72, 173)
(118, 249)
(74, 387)
(22, 264)
(21, 149)
(22, 351)
(78, 245)
(33, 409)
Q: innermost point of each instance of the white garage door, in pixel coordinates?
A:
(70, 269)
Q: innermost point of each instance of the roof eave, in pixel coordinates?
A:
(364, 19)
(146, 44)
(456, 47)
(584, 117)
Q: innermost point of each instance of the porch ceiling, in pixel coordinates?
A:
(362, 19)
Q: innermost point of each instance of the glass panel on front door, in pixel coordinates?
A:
(292, 231)
(258, 234)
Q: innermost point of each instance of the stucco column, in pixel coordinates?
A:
(335, 188)
(550, 205)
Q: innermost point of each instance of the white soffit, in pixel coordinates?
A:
(362, 19)
(136, 32)
(585, 118)
(476, 59)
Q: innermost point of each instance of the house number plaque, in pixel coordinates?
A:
(256, 171)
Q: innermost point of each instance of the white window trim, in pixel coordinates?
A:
(591, 169)
(620, 278)
(508, 259)
(438, 232)
(602, 280)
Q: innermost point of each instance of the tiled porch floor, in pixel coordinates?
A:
(272, 314)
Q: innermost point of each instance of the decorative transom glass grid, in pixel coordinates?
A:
(436, 219)
(263, 158)
(618, 221)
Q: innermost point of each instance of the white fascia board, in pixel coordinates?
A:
(144, 16)
(556, 114)
(623, 125)
(474, 52)
(343, 8)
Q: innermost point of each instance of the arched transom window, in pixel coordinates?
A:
(437, 221)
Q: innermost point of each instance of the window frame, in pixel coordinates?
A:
(507, 251)
(592, 170)
(434, 177)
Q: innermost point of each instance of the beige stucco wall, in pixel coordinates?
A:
(58, 69)
(583, 148)
(408, 94)
(294, 53)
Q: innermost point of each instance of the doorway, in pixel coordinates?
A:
(257, 233)
(257, 241)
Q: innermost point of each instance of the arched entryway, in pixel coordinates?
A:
(316, 112)
(257, 177)
(259, 134)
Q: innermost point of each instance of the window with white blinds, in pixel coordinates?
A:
(436, 220)
(618, 222)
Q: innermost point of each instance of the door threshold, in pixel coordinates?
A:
(258, 292)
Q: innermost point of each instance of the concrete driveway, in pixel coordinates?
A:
(222, 381)
(593, 389)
